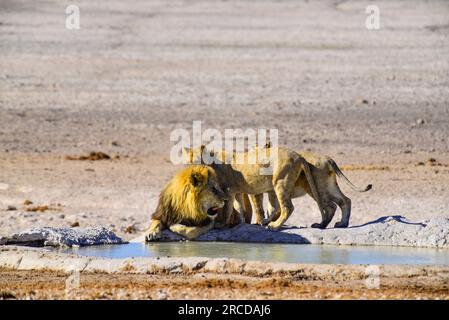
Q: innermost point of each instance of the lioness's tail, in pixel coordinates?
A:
(337, 170)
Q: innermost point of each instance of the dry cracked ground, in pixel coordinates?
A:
(377, 101)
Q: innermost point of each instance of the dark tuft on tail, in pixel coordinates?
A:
(341, 175)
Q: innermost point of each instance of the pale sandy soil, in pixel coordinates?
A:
(138, 69)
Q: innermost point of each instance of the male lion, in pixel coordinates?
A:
(188, 204)
(241, 176)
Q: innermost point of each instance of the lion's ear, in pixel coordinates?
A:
(187, 153)
(196, 179)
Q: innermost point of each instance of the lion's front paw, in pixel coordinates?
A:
(273, 226)
(341, 224)
(153, 235)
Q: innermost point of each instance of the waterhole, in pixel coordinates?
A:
(290, 253)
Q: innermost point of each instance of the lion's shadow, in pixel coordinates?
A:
(258, 234)
(244, 233)
(385, 219)
(381, 220)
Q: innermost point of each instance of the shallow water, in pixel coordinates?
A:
(292, 253)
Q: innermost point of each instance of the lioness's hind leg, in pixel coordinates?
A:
(154, 232)
(343, 202)
(329, 212)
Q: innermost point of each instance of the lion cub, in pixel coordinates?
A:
(242, 176)
(324, 171)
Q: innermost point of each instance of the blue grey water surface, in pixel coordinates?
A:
(290, 253)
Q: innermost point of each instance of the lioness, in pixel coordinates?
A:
(325, 172)
(189, 203)
(241, 176)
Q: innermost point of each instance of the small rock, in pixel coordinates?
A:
(431, 161)
(420, 122)
(48, 236)
(27, 202)
(39, 208)
(92, 156)
(11, 208)
(75, 224)
(131, 229)
(361, 101)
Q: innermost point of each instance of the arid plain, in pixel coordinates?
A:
(377, 101)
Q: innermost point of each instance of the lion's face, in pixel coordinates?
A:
(210, 197)
(193, 195)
